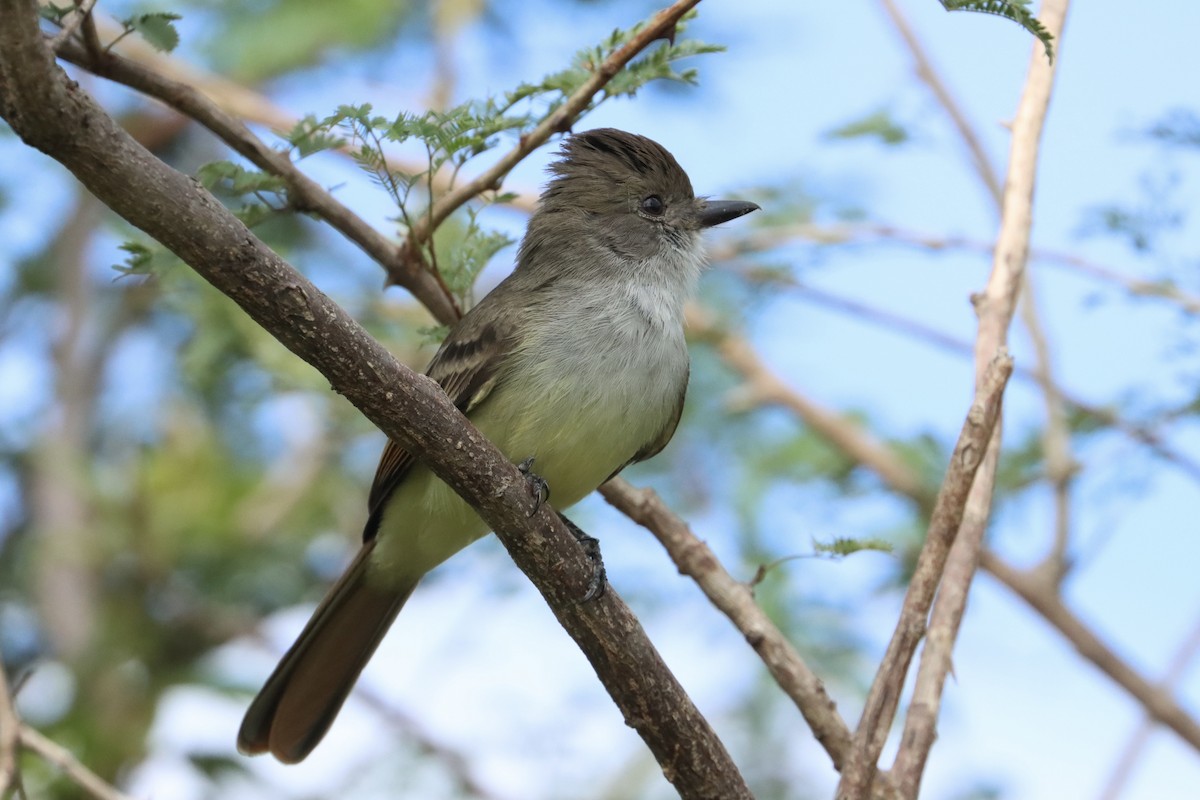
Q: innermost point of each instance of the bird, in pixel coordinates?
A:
(575, 363)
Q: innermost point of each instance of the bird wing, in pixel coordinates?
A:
(467, 367)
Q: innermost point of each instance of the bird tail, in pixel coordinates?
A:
(302, 697)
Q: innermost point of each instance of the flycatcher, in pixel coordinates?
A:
(577, 359)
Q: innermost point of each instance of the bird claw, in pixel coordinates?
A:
(591, 547)
(541, 489)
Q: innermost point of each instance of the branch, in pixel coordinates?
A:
(53, 113)
(944, 523)
(1060, 465)
(10, 738)
(995, 308)
(1138, 432)
(850, 233)
(660, 26)
(1133, 750)
(1043, 597)
(62, 758)
(735, 599)
(73, 20)
(929, 76)
(764, 386)
(303, 192)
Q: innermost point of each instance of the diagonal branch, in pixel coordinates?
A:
(767, 387)
(995, 307)
(91, 783)
(947, 517)
(54, 114)
(736, 601)
(929, 76)
(1043, 597)
(660, 26)
(1123, 769)
(303, 192)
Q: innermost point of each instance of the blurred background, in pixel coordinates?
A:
(177, 490)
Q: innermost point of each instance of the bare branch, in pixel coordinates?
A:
(763, 386)
(1138, 432)
(1061, 467)
(72, 22)
(929, 76)
(661, 25)
(884, 696)
(49, 111)
(10, 738)
(61, 757)
(872, 232)
(734, 599)
(1044, 598)
(303, 192)
(1137, 743)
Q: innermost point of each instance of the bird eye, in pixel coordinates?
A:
(653, 205)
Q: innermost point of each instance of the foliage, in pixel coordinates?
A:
(1016, 10)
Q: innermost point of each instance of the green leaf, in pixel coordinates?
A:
(239, 180)
(879, 124)
(157, 28)
(843, 546)
(1016, 10)
(138, 260)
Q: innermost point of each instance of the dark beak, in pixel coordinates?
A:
(714, 212)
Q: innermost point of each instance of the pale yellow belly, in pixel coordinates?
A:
(577, 442)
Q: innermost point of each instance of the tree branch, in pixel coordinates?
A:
(61, 757)
(944, 523)
(52, 113)
(929, 76)
(995, 308)
(764, 386)
(735, 599)
(660, 26)
(1044, 598)
(10, 738)
(303, 192)
(1133, 750)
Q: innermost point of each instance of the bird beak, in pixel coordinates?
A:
(714, 212)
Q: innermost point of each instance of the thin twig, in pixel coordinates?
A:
(1043, 597)
(78, 772)
(303, 192)
(995, 307)
(1061, 468)
(661, 25)
(944, 523)
(929, 76)
(1140, 433)
(734, 599)
(73, 20)
(1123, 769)
(10, 738)
(762, 239)
(764, 386)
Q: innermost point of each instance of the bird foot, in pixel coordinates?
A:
(538, 484)
(591, 547)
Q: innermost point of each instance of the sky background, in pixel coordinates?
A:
(1022, 710)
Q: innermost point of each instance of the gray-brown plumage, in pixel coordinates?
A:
(577, 359)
